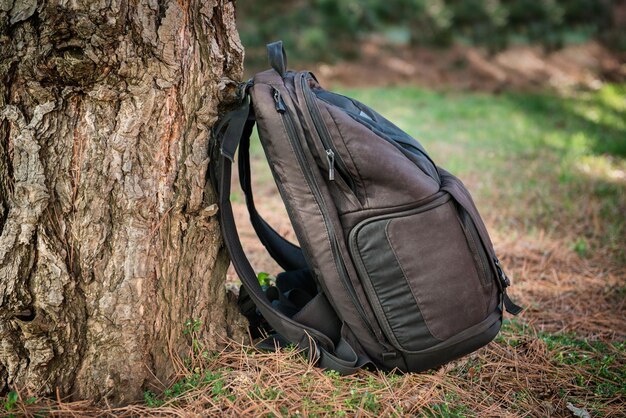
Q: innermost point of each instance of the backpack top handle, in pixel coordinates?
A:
(277, 57)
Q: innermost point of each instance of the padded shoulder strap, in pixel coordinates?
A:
(285, 326)
(239, 124)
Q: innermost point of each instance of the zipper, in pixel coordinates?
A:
(402, 147)
(332, 156)
(278, 101)
(341, 268)
(504, 282)
(431, 202)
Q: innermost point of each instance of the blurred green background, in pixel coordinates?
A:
(325, 30)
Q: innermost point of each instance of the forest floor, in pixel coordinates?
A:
(548, 172)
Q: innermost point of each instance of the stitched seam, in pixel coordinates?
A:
(361, 266)
(388, 210)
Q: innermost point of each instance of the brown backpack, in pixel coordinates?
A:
(394, 268)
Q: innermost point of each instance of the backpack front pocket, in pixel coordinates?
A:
(422, 274)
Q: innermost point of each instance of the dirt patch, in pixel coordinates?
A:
(519, 68)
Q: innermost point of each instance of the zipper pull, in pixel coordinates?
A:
(278, 100)
(330, 158)
(501, 274)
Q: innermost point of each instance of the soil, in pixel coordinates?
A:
(519, 68)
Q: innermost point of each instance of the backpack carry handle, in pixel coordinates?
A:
(278, 57)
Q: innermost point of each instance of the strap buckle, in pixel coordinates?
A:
(243, 90)
(504, 279)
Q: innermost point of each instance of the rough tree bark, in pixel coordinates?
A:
(108, 235)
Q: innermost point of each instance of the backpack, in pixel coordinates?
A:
(394, 268)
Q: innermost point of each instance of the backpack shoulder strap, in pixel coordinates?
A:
(238, 125)
(284, 325)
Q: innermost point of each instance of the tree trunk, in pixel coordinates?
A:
(108, 235)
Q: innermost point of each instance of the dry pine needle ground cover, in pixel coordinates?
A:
(549, 175)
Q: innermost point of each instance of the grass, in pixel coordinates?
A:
(549, 174)
(524, 373)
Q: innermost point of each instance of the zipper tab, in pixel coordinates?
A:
(278, 100)
(330, 158)
(501, 274)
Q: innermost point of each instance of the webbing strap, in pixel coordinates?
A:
(345, 360)
(281, 323)
(235, 122)
(510, 306)
(238, 125)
